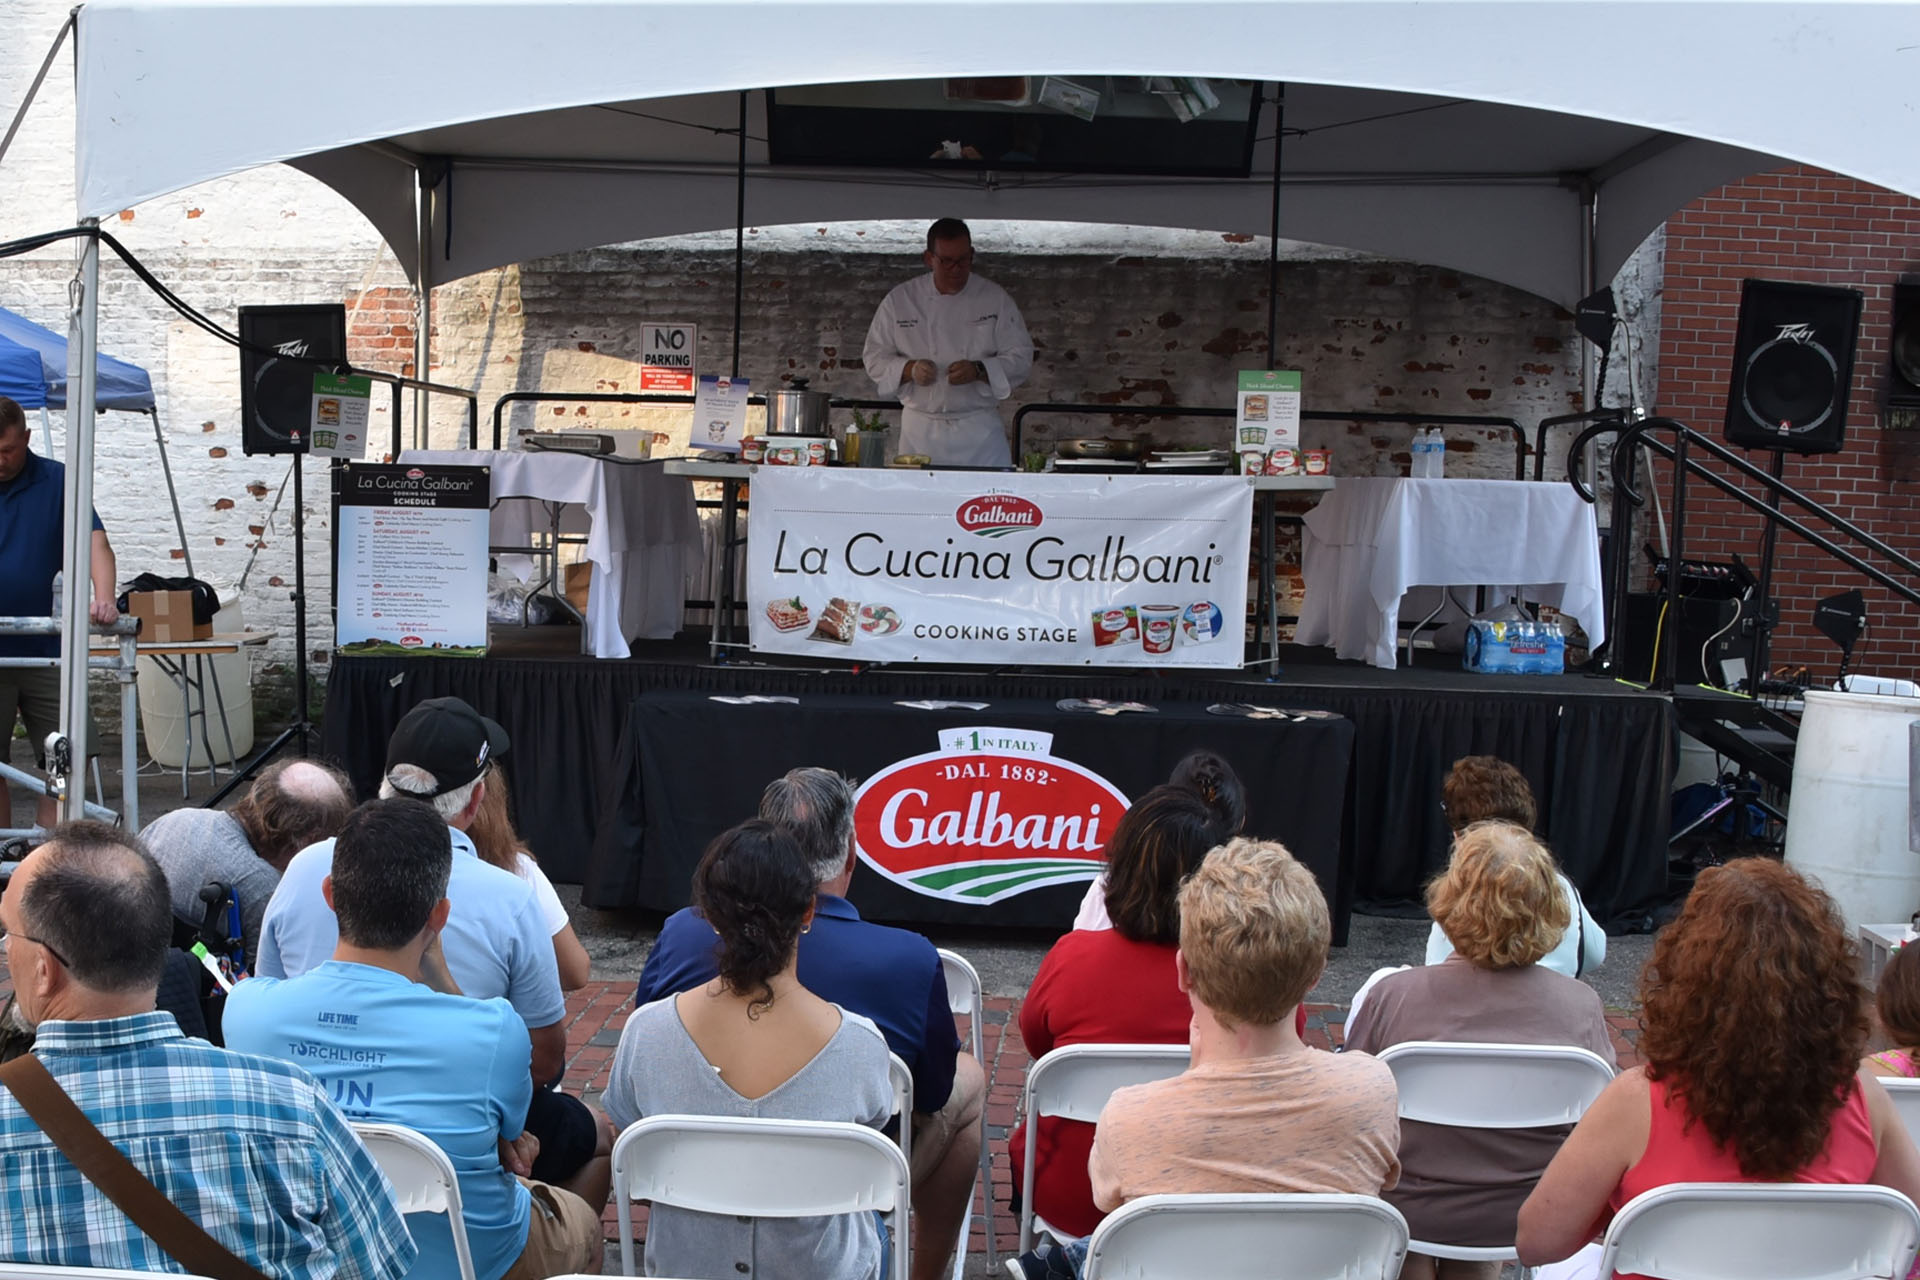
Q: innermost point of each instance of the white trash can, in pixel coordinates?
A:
(1847, 819)
(163, 716)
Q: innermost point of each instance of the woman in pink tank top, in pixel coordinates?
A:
(1753, 1024)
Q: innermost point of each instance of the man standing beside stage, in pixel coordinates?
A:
(33, 504)
(951, 346)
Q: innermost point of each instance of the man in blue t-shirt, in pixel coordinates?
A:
(892, 976)
(392, 1050)
(33, 504)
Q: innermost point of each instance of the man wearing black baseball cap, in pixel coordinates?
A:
(495, 941)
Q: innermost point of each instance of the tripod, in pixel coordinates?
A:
(301, 729)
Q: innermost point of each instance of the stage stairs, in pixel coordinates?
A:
(1756, 733)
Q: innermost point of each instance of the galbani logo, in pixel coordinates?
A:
(995, 515)
(981, 826)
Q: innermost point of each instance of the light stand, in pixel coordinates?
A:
(301, 728)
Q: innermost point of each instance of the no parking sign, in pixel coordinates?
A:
(667, 357)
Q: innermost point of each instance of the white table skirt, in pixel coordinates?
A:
(1372, 538)
(643, 537)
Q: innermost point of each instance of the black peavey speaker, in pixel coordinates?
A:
(1903, 345)
(1792, 366)
(276, 395)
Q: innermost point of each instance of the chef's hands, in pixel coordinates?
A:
(922, 373)
(961, 372)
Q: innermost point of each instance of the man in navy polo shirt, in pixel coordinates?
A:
(33, 504)
(891, 976)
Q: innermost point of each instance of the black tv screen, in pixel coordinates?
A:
(1162, 125)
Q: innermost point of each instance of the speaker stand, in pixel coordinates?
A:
(1763, 615)
(301, 730)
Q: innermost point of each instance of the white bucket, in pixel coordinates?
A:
(1847, 825)
(163, 717)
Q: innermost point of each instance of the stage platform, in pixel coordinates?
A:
(621, 770)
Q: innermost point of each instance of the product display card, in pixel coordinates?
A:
(1268, 406)
(720, 413)
(340, 404)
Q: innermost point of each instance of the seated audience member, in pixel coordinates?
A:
(1113, 986)
(1897, 1000)
(450, 1066)
(293, 804)
(1257, 1111)
(1488, 789)
(1500, 902)
(754, 1042)
(250, 1148)
(497, 842)
(1210, 778)
(890, 976)
(496, 942)
(1752, 1027)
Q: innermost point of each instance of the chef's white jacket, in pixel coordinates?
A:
(953, 424)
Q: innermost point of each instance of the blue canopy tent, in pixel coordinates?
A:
(43, 383)
(33, 371)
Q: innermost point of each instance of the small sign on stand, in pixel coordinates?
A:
(720, 413)
(339, 421)
(1268, 410)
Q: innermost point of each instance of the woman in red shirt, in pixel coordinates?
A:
(1752, 1030)
(1114, 986)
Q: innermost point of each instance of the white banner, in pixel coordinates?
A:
(928, 566)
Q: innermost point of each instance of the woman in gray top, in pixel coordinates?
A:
(754, 1042)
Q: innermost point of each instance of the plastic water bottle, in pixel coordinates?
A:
(1421, 455)
(1437, 455)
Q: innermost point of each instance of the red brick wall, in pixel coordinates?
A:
(380, 330)
(1805, 225)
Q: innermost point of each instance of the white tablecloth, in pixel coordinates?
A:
(1372, 538)
(643, 537)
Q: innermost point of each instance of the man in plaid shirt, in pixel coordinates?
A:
(250, 1148)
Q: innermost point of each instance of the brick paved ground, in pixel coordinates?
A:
(598, 1011)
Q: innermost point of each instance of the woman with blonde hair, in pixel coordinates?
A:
(1500, 903)
(496, 841)
(1752, 1025)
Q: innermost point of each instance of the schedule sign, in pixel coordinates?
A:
(668, 354)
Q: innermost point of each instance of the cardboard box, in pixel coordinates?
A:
(575, 583)
(166, 617)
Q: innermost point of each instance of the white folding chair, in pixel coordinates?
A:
(1763, 1231)
(964, 997)
(901, 1078)
(1492, 1086)
(761, 1168)
(1074, 1083)
(48, 1271)
(1249, 1237)
(422, 1177)
(1906, 1101)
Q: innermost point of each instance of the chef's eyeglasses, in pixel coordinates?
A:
(959, 261)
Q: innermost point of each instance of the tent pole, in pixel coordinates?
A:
(173, 497)
(423, 304)
(1589, 268)
(1273, 230)
(77, 594)
(39, 79)
(740, 234)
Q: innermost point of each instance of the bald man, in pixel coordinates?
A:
(293, 804)
(250, 1148)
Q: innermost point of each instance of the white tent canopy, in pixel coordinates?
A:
(1463, 133)
(1535, 142)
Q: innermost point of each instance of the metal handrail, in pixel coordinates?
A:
(1309, 415)
(1599, 417)
(400, 383)
(642, 397)
(1686, 439)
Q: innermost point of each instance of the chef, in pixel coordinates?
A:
(951, 345)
